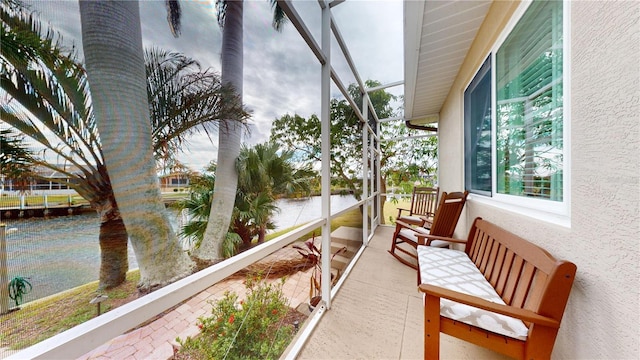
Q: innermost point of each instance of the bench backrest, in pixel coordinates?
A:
(523, 274)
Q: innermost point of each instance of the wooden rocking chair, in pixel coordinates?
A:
(424, 201)
(443, 225)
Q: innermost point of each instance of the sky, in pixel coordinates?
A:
(281, 74)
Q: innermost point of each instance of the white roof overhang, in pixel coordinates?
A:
(437, 37)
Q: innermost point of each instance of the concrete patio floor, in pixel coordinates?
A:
(377, 314)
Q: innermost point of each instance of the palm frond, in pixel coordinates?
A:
(174, 14)
(221, 11)
(184, 100)
(279, 16)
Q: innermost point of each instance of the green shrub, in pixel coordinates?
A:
(249, 329)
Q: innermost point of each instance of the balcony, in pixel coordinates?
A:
(376, 312)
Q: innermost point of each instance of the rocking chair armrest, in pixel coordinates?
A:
(404, 224)
(426, 239)
(427, 221)
(514, 312)
(400, 210)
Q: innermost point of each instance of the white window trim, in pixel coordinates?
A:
(558, 213)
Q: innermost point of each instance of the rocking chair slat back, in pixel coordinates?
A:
(424, 202)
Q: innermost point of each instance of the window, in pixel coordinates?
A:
(514, 115)
(477, 127)
(529, 105)
(179, 181)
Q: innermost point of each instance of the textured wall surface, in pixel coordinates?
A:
(603, 240)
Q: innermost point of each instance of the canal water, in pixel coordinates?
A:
(60, 253)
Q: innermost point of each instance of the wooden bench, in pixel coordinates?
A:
(502, 293)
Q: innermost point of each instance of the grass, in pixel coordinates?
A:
(391, 209)
(44, 318)
(41, 319)
(38, 200)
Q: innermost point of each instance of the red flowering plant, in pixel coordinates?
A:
(313, 254)
(253, 328)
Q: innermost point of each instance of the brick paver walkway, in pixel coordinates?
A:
(157, 339)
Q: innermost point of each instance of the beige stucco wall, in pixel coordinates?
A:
(602, 319)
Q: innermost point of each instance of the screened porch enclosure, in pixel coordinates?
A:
(328, 47)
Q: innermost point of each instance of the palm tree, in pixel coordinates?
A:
(265, 174)
(230, 14)
(112, 45)
(15, 158)
(53, 87)
(47, 93)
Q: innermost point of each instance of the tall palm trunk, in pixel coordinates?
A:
(114, 261)
(112, 44)
(229, 135)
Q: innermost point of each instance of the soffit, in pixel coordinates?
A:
(438, 35)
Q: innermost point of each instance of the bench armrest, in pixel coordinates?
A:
(426, 239)
(515, 312)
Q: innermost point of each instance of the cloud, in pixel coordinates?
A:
(281, 74)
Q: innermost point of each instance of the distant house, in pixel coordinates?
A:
(53, 181)
(45, 180)
(174, 181)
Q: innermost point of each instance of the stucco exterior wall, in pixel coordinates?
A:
(603, 240)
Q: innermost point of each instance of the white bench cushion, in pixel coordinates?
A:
(411, 235)
(453, 270)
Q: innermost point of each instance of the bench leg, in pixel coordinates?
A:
(540, 342)
(431, 327)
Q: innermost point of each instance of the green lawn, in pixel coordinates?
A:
(38, 200)
(43, 318)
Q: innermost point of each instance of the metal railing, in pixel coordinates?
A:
(87, 336)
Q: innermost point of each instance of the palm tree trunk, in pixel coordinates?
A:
(114, 261)
(112, 45)
(229, 135)
(262, 234)
(244, 233)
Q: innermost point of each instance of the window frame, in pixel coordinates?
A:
(486, 68)
(557, 212)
